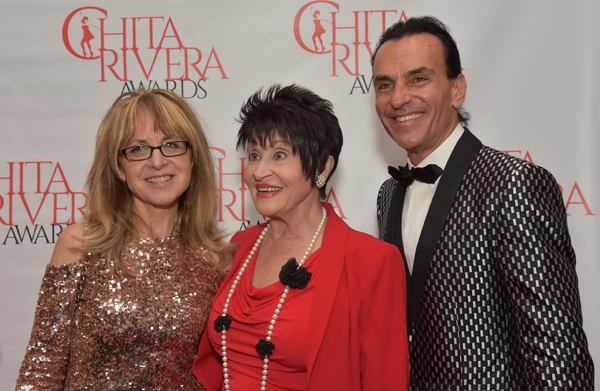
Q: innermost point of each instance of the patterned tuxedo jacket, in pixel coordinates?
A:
(493, 301)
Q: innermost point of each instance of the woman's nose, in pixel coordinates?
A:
(157, 159)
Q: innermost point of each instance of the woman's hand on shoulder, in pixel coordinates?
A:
(68, 246)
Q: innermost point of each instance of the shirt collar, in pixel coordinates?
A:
(442, 153)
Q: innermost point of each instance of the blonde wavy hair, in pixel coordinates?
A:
(110, 219)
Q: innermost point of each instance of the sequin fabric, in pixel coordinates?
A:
(114, 331)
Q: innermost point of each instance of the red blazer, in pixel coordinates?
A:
(357, 338)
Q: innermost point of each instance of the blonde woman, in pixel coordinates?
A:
(127, 292)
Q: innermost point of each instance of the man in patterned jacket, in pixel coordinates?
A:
(493, 301)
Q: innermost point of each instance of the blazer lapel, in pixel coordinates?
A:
(393, 231)
(458, 163)
(333, 251)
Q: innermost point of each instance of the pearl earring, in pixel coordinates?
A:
(320, 181)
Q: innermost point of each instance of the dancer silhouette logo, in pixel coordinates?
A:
(322, 28)
(137, 47)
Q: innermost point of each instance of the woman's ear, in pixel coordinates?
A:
(328, 166)
(321, 179)
(121, 175)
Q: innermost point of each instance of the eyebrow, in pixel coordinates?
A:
(279, 143)
(410, 72)
(380, 78)
(144, 141)
(419, 70)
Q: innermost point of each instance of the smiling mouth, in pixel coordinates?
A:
(160, 179)
(408, 117)
(268, 189)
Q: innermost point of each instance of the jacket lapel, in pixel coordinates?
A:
(458, 163)
(393, 231)
(333, 250)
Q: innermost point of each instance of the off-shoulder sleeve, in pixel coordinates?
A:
(45, 363)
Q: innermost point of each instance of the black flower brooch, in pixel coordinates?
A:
(294, 275)
(265, 348)
(222, 322)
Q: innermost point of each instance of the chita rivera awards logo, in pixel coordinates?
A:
(146, 50)
(36, 202)
(346, 38)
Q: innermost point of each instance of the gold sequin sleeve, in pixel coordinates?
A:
(47, 355)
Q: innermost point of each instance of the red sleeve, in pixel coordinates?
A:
(382, 319)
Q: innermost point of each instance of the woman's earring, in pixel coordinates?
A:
(320, 181)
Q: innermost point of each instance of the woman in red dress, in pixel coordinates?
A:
(309, 304)
(87, 36)
(319, 31)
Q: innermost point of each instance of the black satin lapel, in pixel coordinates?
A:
(465, 150)
(393, 231)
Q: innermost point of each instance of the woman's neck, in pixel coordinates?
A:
(159, 223)
(298, 225)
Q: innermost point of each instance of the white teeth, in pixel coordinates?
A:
(408, 117)
(160, 179)
(268, 189)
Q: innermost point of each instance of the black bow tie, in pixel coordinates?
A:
(406, 176)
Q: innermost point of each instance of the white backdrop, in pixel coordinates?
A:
(533, 91)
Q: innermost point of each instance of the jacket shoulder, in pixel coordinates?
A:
(490, 162)
(366, 244)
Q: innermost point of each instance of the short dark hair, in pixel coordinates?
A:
(301, 118)
(433, 26)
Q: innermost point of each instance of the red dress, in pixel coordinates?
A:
(251, 310)
(319, 29)
(87, 33)
(355, 337)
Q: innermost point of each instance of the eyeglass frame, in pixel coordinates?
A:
(159, 147)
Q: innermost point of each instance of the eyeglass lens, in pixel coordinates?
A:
(168, 149)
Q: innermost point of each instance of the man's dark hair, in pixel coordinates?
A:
(433, 26)
(301, 118)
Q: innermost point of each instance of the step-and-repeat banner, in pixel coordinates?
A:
(532, 67)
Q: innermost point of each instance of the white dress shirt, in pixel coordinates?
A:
(417, 199)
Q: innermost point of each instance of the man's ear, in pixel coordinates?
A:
(459, 91)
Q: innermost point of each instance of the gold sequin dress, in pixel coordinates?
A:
(114, 331)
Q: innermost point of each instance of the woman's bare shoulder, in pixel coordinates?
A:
(68, 246)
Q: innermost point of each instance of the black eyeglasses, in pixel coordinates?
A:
(144, 152)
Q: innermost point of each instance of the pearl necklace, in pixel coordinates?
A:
(286, 291)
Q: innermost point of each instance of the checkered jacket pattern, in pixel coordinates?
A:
(493, 301)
